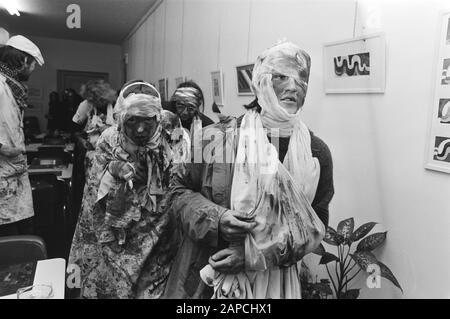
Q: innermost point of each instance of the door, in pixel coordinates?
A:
(74, 79)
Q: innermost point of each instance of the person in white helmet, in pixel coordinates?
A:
(18, 58)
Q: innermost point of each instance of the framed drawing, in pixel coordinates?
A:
(244, 79)
(355, 65)
(35, 105)
(35, 93)
(163, 89)
(217, 87)
(179, 80)
(437, 153)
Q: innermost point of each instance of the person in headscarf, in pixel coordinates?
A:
(172, 130)
(125, 244)
(203, 195)
(95, 112)
(18, 59)
(94, 115)
(187, 102)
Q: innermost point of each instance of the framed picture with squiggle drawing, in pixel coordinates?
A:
(355, 65)
(437, 153)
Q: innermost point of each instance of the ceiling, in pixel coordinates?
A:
(107, 21)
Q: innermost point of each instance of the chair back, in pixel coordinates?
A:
(21, 249)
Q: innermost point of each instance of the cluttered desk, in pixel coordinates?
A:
(50, 155)
(50, 168)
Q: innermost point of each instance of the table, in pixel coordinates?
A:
(63, 172)
(51, 271)
(34, 147)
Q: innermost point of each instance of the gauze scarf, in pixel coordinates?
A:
(135, 88)
(287, 59)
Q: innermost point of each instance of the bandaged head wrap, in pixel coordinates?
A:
(187, 96)
(134, 88)
(141, 105)
(284, 59)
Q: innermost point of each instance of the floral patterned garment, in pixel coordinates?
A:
(123, 246)
(16, 201)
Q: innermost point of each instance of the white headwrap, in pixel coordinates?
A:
(120, 100)
(287, 59)
(141, 105)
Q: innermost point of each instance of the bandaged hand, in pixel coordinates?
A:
(121, 170)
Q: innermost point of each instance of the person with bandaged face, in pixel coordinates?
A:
(187, 101)
(247, 221)
(125, 244)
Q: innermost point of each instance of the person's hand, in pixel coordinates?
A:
(11, 151)
(234, 226)
(88, 146)
(121, 170)
(229, 260)
(84, 144)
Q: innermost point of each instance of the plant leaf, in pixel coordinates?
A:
(327, 258)
(320, 250)
(350, 294)
(362, 231)
(345, 228)
(371, 242)
(387, 273)
(332, 237)
(364, 259)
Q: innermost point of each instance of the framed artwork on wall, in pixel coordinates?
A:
(163, 89)
(355, 65)
(179, 80)
(35, 93)
(217, 87)
(35, 105)
(244, 79)
(437, 153)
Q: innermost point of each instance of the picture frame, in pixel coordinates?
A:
(179, 80)
(437, 151)
(356, 65)
(163, 89)
(244, 79)
(35, 93)
(35, 105)
(217, 86)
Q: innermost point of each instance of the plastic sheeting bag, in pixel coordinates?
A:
(287, 226)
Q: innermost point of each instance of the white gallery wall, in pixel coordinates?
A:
(71, 55)
(377, 140)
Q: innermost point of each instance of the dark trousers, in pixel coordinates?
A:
(22, 227)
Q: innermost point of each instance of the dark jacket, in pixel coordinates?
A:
(198, 196)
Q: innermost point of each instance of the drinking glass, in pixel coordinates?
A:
(41, 291)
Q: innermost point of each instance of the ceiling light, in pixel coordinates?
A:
(10, 6)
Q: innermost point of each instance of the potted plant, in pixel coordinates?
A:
(347, 263)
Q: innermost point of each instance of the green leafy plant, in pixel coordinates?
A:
(347, 264)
